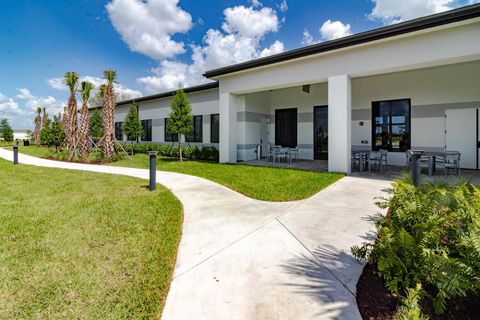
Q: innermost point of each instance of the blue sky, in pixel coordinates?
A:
(158, 45)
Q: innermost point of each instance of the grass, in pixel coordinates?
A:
(263, 183)
(79, 245)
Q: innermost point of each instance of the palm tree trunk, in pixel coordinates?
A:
(108, 121)
(84, 126)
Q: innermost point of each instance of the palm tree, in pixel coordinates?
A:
(71, 79)
(87, 88)
(45, 118)
(38, 126)
(108, 114)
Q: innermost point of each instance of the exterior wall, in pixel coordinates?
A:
(453, 43)
(431, 91)
(203, 103)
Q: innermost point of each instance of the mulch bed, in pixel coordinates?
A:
(375, 302)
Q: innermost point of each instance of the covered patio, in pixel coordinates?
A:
(395, 94)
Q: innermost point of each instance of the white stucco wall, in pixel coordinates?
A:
(203, 103)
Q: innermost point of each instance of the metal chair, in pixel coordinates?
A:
(449, 161)
(379, 158)
(292, 154)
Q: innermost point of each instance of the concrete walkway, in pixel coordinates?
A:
(241, 258)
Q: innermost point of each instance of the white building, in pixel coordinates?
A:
(415, 79)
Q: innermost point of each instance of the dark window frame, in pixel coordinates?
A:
(118, 130)
(214, 132)
(169, 137)
(196, 135)
(408, 125)
(147, 130)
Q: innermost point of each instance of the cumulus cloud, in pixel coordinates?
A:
(21, 109)
(243, 30)
(123, 92)
(331, 30)
(147, 26)
(394, 11)
(256, 3)
(250, 22)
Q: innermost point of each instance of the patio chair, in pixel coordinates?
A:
(450, 161)
(408, 164)
(270, 154)
(292, 154)
(280, 153)
(359, 160)
(379, 159)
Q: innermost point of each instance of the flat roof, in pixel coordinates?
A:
(435, 20)
(206, 86)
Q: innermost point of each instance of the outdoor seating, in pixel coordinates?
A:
(449, 161)
(378, 159)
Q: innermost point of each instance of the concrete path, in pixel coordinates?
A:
(241, 258)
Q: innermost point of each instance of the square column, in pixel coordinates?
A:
(228, 126)
(339, 124)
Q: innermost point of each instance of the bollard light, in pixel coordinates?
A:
(416, 154)
(153, 169)
(15, 153)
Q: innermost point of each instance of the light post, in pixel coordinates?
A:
(153, 169)
(416, 154)
(15, 153)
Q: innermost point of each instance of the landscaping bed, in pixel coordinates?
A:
(425, 262)
(375, 302)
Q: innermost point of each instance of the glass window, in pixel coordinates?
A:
(214, 128)
(147, 130)
(170, 137)
(118, 131)
(196, 134)
(391, 125)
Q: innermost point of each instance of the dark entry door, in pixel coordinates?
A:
(286, 127)
(320, 132)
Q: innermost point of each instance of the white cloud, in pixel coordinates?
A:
(147, 26)
(250, 22)
(283, 6)
(21, 113)
(334, 29)
(243, 30)
(329, 30)
(307, 38)
(122, 91)
(394, 11)
(256, 3)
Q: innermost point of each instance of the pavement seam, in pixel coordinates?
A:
(315, 257)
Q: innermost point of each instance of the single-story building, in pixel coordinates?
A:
(414, 84)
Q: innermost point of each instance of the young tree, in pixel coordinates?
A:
(38, 126)
(6, 131)
(108, 114)
(85, 91)
(96, 126)
(132, 126)
(44, 117)
(53, 133)
(71, 79)
(180, 120)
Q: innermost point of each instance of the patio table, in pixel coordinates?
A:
(432, 153)
(362, 153)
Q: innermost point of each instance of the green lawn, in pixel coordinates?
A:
(263, 183)
(79, 245)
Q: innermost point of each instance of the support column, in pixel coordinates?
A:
(339, 124)
(228, 126)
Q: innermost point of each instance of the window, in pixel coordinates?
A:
(214, 128)
(118, 131)
(391, 125)
(170, 137)
(147, 130)
(196, 134)
(286, 127)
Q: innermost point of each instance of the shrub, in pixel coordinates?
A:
(431, 236)
(193, 152)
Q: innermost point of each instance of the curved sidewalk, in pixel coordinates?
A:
(241, 258)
